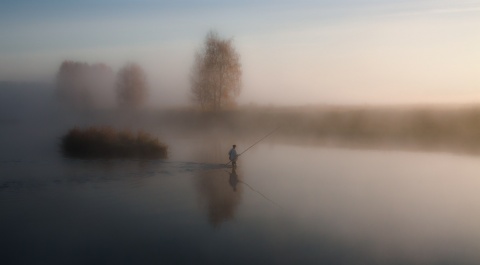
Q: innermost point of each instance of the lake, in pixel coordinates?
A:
(284, 204)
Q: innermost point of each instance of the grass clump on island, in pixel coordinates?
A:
(107, 142)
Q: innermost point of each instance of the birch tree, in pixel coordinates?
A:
(216, 74)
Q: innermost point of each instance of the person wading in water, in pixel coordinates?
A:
(232, 155)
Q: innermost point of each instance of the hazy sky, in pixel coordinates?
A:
(293, 52)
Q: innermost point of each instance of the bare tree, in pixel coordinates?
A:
(216, 74)
(131, 86)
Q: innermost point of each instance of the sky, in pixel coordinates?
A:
(303, 52)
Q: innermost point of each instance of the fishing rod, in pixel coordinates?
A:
(270, 133)
(260, 140)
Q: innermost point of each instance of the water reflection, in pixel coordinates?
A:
(218, 191)
(219, 194)
(233, 180)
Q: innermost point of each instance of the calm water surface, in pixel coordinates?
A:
(283, 205)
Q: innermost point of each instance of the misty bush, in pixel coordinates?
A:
(106, 142)
(131, 86)
(80, 85)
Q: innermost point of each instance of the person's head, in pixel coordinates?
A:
(234, 146)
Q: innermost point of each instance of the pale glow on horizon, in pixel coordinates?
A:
(415, 61)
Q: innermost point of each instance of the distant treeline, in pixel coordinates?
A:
(215, 80)
(432, 128)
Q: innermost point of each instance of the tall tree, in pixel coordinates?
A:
(131, 86)
(216, 74)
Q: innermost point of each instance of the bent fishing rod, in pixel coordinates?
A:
(270, 133)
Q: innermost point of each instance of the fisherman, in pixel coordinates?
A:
(232, 155)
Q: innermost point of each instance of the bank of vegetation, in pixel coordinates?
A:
(107, 142)
(431, 128)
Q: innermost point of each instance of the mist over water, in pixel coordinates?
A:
(338, 200)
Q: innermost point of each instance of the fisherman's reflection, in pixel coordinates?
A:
(233, 180)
